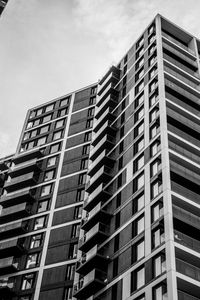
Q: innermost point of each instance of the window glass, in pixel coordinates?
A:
(44, 129)
(54, 148)
(153, 99)
(62, 112)
(42, 206)
(41, 141)
(47, 118)
(64, 102)
(139, 87)
(51, 161)
(32, 260)
(157, 211)
(140, 225)
(140, 181)
(30, 145)
(39, 223)
(86, 149)
(49, 175)
(139, 100)
(155, 167)
(160, 292)
(28, 281)
(89, 123)
(60, 123)
(82, 178)
(91, 112)
(39, 111)
(78, 212)
(36, 241)
(80, 195)
(140, 250)
(140, 202)
(75, 230)
(158, 237)
(84, 164)
(155, 147)
(88, 136)
(29, 125)
(139, 114)
(49, 107)
(140, 278)
(46, 190)
(36, 122)
(159, 265)
(153, 114)
(68, 294)
(156, 188)
(57, 135)
(33, 133)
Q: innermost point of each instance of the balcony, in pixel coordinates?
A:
(2, 179)
(27, 156)
(13, 229)
(97, 214)
(186, 217)
(11, 247)
(4, 165)
(109, 102)
(109, 90)
(98, 195)
(20, 182)
(15, 212)
(8, 265)
(94, 236)
(90, 284)
(101, 160)
(187, 269)
(185, 296)
(106, 143)
(105, 129)
(24, 168)
(90, 260)
(177, 42)
(6, 289)
(186, 241)
(17, 198)
(111, 76)
(106, 116)
(103, 175)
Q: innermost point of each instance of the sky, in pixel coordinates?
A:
(49, 48)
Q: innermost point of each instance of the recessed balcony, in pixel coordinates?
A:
(102, 160)
(90, 260)
(94, 236)
(17, 198)
(105, 129)
(15, 212)
(186, 241)
(8, 265)
(24, 168)
(98, 195)
(11, 247)
(90, 284)
(103, 175)
(97, 214)
(106, 143)
(21, 182)
(188, 269)
(27, 156)
(13, 229)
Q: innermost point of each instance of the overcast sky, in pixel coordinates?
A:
(49, 48)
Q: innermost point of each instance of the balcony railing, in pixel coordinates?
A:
(109, 102)
(106, 143)
(12, 229)
(17, 197)
(101, 160)
(23, 168)
(187, 269)
(175, 41)
(11, 247)
(21, 182)
(98, 195)
(106, 116)
(185, 296)
(8, 265)
(27, 156)
(186, 216)
(14, 212)
(103, 175)
(186, 240)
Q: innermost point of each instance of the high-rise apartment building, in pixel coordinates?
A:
(101, 199)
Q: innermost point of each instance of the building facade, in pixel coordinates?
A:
(101, 199)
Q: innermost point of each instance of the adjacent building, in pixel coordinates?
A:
(101, 200)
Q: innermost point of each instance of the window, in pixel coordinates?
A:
(26, 136)
(92, 100)
(39, 111)
(139, 74)
(140, 225)
(151, 29)
(77, 212)
(153, 86)
(49, 107)
(51, 161)
(28, 281)
(139, 203)
(156, 188)
(88, 136)
(89, 123)
(80, 195)
(30, 145)
(68, 293)
(32, 114)
(155, 148)
(33, 133)
(64, 102)
(120, 163)
(41, 141)
(139, 145)
(139, 87)
(55, 148)
(91, 112)
(47, 118)
(140, 63)
(139, 100)
(57, 135)
(29, 125)
(70, 272)
(152, 59)
(36, 122)
(115, 266)
(154, 130)
(44, 129)
(36, 241)
(139, 114)
(42, 206)
(94, 90)
(73, 249)
(138, 163)
(153, 114)
(62, 112)
(139, 52)
(139, 129)
(157, 237)
(153, 99)
(86, 149)
(155, 167)
(46, 190)
(151, 38)
(49, 175)
(140, 42)
(157, 211)
(59, 123)
(39, 223)
(159, 264)
(82, 178)
(152, 72)
(151, 49)
(27, 297)
(75, 230)
(84, 163)
(32, 260)
(138, 182)
(140, 250)
(140, 278)
(160, 292)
